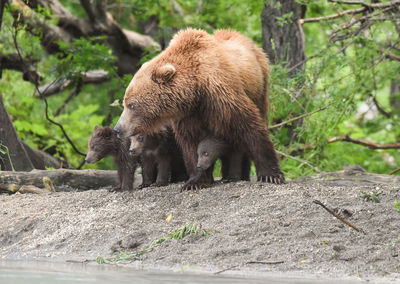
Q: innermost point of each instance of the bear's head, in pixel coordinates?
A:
(152, 99)
(102, 143)
(165, 88)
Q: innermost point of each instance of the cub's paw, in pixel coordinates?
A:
(143, 185)
(158, 184)
(115, 189)
(276, 179)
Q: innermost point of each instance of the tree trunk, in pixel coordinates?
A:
(283, 37)
(62, 179)
(42, 160)
(17, 158)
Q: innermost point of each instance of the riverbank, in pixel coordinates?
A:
(243, 227)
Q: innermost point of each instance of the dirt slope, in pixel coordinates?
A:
(256, 227)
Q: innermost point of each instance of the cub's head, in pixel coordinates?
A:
(101, 144)
(208, 151)
(137, 144)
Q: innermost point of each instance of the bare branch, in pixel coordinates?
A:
(391, 56)
(73, 94)
(394, 171)
(334, 16)
(60, 84)
(369, 144)
(127, 45)
(298, 117)
(367, 6)
(299, 160)
(88, 9)
(338, 217)
(44, 99)
(380, 109)
(13, 62)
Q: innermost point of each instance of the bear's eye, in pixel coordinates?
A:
(140, 139)
(131, 107)
(94, 148)
(205, 154)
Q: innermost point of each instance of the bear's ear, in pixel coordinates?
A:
(164, 74)
(96, 127)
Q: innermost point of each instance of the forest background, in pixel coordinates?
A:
(335, 83)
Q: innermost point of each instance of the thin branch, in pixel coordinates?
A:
(13, 62)
(88, 9)
(299, 160)
(391, 56)
(73, 94)
(298, 117)
(338, 217)
(44, 98)
(89, 77)
(350, 2)
(369, 144)
(394, 171)
(379, 108)
(352, 11)
(365, 4)
(334, 16)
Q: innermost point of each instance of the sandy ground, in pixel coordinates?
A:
(254, 227)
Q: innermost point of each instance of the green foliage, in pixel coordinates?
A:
(371, 196)
(178, 234)
(396, 205)
(4, 151)
(285, 19)
(83, 55)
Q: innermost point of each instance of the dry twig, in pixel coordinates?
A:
(338, 217)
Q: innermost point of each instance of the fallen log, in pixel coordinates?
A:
(62, 179)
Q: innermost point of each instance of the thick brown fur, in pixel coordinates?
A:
(160, 157)
(104, 142)
(200, 86)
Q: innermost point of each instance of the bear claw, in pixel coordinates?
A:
(280, 179)
(187, 187)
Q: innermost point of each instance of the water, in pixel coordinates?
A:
(35, 272)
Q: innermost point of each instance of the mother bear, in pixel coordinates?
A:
(205, 84)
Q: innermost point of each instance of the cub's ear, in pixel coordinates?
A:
(96, 127)
(163, 74)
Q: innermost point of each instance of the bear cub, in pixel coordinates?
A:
(233, 162)
(104, 142)
(159, 156)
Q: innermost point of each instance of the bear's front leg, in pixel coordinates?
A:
(148, 171)
(231, 166)
(163, 171)
(264, 157)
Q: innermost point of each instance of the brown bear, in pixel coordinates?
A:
(208, 151)
(203, 83)
(160, 157)
(104, 142)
